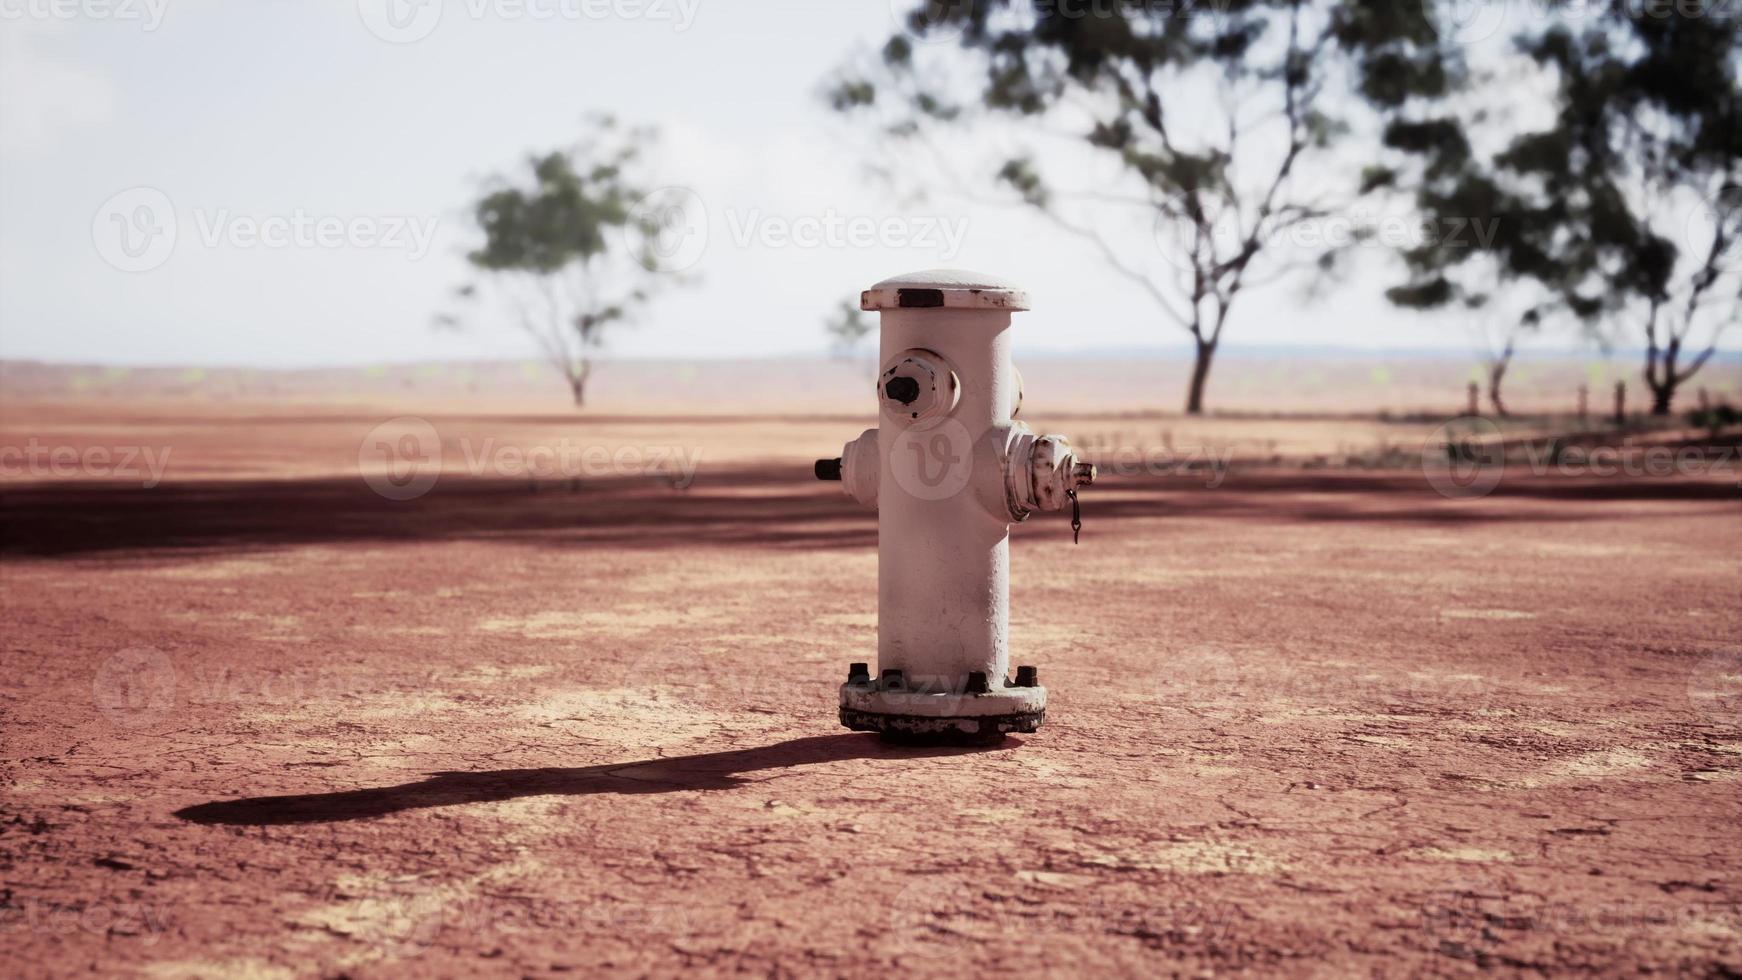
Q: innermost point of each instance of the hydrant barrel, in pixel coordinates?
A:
(943, 531)
(948, 470)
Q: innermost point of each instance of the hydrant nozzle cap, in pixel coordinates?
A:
(950, 289)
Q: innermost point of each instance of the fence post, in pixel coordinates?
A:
(1620, 403)
(1475, 399)
(1584, 403)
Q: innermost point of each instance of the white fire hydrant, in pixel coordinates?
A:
(948, 470)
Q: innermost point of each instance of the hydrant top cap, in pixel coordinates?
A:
(951, 289)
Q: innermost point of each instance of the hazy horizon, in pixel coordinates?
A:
(1622, 359)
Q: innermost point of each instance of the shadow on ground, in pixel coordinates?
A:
(707, 771)
(778, 508)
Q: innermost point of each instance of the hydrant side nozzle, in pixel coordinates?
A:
(1083, 475)
(829, 469)
(858, 469)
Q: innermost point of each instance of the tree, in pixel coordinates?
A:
(1630, 200)
(848, 327)
(1209, 110)
(574, 246)
(1650, 127)
(1488, 256)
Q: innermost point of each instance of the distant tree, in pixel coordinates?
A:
(572, 247)
(1488, 256)
(1627, 207)
(847, 328)
(1210, 110)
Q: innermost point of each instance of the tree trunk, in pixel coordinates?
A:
(1200, 377)
(1660, 375)
(578, 375)
(1662, 398)
(1497, 374)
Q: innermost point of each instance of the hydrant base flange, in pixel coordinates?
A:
(941, 716)
(923, 729)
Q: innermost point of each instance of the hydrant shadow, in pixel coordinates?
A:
(705, 771)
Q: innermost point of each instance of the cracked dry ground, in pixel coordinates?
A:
(1320, 725)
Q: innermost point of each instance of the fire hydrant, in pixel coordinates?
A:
(948, 469)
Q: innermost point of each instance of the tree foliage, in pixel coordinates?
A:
(1209, 111)
(571, 245)
(1622, 210)
(848, 328)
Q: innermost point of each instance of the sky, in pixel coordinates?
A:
(315, 159)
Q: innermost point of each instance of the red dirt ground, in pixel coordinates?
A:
(260, 721)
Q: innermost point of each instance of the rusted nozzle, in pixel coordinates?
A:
(1083, 475)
